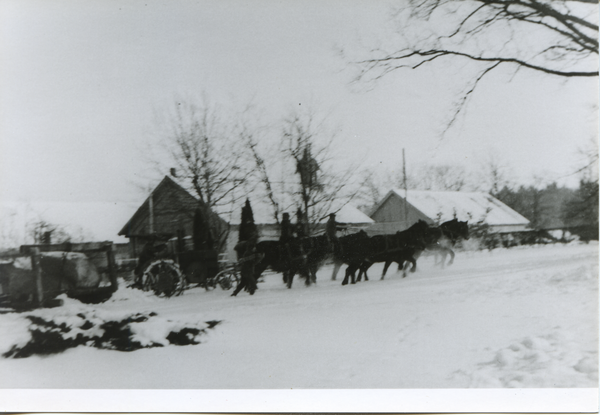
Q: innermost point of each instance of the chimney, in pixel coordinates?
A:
(174, 172)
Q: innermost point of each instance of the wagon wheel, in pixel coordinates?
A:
(229, 279)
(164, 278)
(226, 279)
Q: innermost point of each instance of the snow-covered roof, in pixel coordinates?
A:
(350, 214)
(472, 206)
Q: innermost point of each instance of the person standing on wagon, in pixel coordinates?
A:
(286, 234)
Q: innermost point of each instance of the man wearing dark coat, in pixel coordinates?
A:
(287, 230)
(331, 229)
(285, 236)
(247, 263)
(300, 225)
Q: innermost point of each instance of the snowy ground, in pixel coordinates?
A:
(524, 317)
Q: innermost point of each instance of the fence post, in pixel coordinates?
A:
(37, 274)
(112, 267)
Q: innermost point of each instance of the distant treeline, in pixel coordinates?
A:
(554, 207)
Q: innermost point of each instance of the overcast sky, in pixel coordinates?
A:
(80, 82)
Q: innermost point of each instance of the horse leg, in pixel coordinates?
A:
(289, 278)
(346, 275)
(308, 280)
(413, 267)
(436, 259)
(387, 265)
(239, 287)
(367, 265)
(361, 270)
(414, 264)
(307, 275)
(312, 273)
(258, 270)
(350, 272)
(251, 283)
(336, 268)
(451, 252)
(353, 279)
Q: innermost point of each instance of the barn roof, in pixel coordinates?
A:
(474, 206)
(166, 182)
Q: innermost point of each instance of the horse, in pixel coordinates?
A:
(317, 249)
(288, 259)
(440, 239)
(400, 247)
(351, 250)
(450, 232)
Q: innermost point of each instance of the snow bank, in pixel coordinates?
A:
(46, 332)
(125, 293)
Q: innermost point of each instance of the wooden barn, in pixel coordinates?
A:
(399, 209)
(168, 211)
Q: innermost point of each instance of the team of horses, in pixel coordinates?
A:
(359, 251)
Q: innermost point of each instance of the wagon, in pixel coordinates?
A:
(39, 273)
(180, 268)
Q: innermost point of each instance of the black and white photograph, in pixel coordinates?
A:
(299, 206)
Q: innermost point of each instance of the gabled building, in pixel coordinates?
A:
(168, 211)
(399, 209)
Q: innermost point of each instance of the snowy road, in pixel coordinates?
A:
(524, 317)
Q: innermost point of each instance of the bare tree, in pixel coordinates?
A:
(588, 165)
(494, 175)
(558, 38)
(442, 177)
(311, 179)
(199, 142)
(371, 191)
(435, 177)
(43, 232)
(262, 173)
(313, 191)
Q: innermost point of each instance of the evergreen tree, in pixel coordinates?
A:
(247, 226)
(581, 212)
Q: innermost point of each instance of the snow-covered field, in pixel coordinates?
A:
(518, 318)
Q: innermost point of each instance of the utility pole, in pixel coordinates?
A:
(405, 189)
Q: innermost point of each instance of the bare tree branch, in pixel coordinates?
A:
(564, 39)
(198, 142)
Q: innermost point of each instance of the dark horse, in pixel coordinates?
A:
(351, 250)
(400, 247)
(440, 239)
(317, 249)
(288, 259)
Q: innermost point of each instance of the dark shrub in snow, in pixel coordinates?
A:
(49, 337)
